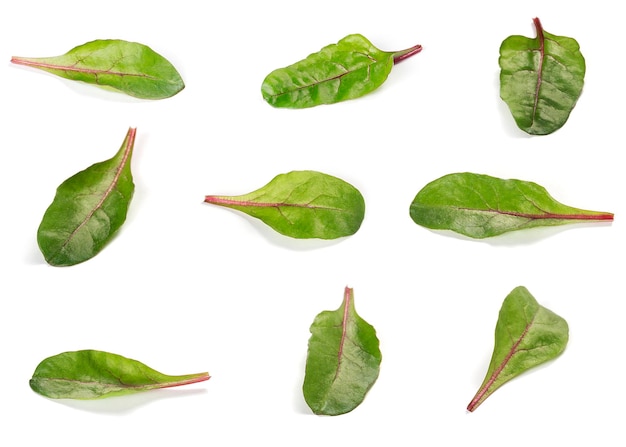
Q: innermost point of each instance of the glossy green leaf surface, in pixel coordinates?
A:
(527, 335)
(346, 70)
(343, 360)
(480, 206)
(541, 79)
(93, 374)
(88, 209)
(302, 204)
(129, 67)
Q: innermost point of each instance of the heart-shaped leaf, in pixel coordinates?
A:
(481, 206)
(527, 335)
(541, 79)
(302, 204)
(348, 69)
(343, 360)
(129, 67)
(88, 209)
(93, 374)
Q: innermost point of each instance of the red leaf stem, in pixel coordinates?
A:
(399, 56)
(541, 59)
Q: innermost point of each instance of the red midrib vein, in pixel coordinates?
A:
(28, 63)
(200, 378)
(602, 216)
(540, 68)
(130, 141)
(607, 216)
(217, 200)
(344, 330)
(481, 393)
(330, 79)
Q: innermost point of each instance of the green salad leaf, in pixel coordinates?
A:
(88, 209)
(128, 67)
(343, 360)
(348, 69)
(541, 79)
(90, 374)
(480, 206)
(302, 204)
(527, 335)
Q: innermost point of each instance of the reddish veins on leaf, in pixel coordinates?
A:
(477, 400)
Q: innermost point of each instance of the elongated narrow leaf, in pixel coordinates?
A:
(527, 335)
(343, 360)
(541, 79)
(481, 206)
(302, 204)
(129, 67)
(93, 374)
(348, 69)
(88, 209)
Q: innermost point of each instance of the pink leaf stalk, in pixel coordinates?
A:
(541, 59)
(399, 56)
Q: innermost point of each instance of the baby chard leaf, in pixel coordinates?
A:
(88, 209)
(129, 67)
(527, 335)
(302, 204)
(343, 360)
(541, 79)
(348, 69)
(480, 206)
(93, 374)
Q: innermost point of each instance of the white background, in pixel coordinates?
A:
(188, 287)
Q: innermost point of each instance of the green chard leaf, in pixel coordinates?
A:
(348, 69)
(343, 360)
(129, 67)
(93, 374)
(302, 204)
(541, 79)
(480, 206)
(88, 209)
(527, 335)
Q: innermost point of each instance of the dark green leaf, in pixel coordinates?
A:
(527, 335)
(88, 209)
(302, 204)
(129, 67)
(349, 69)
(480, 206)
(93, 374)
(343, 360)
(541, 79)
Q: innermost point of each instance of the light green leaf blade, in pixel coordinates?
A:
(302, 204)
(91, 374)
(346, 70)
(527, 335)
(541, 79)
(88, 209)
(343, 360)
(129, 67)
(480, 206)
